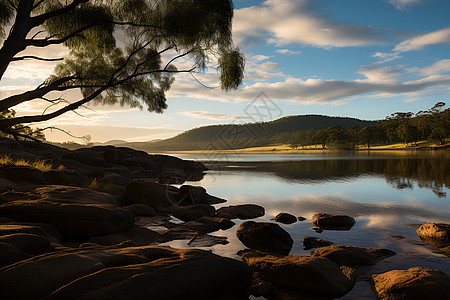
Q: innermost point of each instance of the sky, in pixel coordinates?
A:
(362, 59)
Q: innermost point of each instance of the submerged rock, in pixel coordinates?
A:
(413, 284)
(285, 218)
(126, 273)
(210, 224)
(351, 255)
(310, 242)
(266, 237)
(301, 273)
(333, 222)
(243, 211)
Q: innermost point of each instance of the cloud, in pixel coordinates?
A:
(379, 74)
(439, 67)
(402, 4)
(441, 36)
(269, 66)
(295, 21)
(260, 57)
(213, 116)
(287, 52)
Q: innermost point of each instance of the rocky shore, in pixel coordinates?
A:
(88, 224)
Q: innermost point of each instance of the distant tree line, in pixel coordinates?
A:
(432, 125)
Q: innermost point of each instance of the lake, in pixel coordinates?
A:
(387, 193)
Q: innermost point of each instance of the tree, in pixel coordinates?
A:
(121, 51)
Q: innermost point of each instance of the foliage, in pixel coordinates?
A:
(42, 165)
(20, 132)
(121, 52)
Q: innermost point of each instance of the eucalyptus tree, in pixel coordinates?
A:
(121, 51)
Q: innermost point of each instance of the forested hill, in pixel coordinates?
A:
(235, 136)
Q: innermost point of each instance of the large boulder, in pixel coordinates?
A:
(74, 220)
(413, 284)
(155, 195)
(70, 194)
(24, 174)
(266, 237)
(29, 243)
(242, 211)
(333, 222)
(67, 177)
(351, 255)
(285, 218)
(315, 274)
(148, 272)
(138, 235)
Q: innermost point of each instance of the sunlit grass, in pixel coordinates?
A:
(107, 187)
(39, 164)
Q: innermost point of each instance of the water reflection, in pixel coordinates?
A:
(431, 172)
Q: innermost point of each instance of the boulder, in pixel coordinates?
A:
(70, 194)
(413, 284)
(333, 222)
(141, 210)
(301, 219)
(436, 234)
(86, 156)
(285, 218)
(243, 211)
(28, 243)
(138, 235)
(266, 237)
(304, 273)
(74, 220)
(24, 174)
(10, 254)
(46, 231)
(152, 194)
(114, 178)
(126, 273)
(194, 212)
(351, 255)
(210, 224)
(310, 242)
(189, 195)
(67, 177)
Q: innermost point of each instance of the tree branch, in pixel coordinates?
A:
(36, 57)
(38, 20)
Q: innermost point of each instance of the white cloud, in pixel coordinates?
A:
(260, 57)
(294, 21)
(441, 36)
(269, 66)
(379, 74)
(439, 67)
(213, 116)
(386, 57)
(402, 4)
(288, 52)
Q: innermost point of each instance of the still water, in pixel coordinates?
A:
(386, 192)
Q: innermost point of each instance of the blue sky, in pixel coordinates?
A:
(363, 59)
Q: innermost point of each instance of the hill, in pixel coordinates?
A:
(234, 136)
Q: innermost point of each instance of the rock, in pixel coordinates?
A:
(436, 234)
(10, 254)
(46, 231)
(28, 243)
(210, 224)
(67, 177)
(24, 174)
(194, 212)
(126, 273)
(86, 156)
(285, 218)
(139, 210)
(243, 211)
(304, 273)
(145, 174)
(114, 178)
(69, 194)
(177, 233)
(138, 235)
(74, 221)
(206, 240)
(333, 222)
(266, 237)
(152, 194)
(351, 255)
(413, 284)
(310, 242)
(301, 219)
(189, 195)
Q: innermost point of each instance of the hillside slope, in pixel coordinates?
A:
(233, 135)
